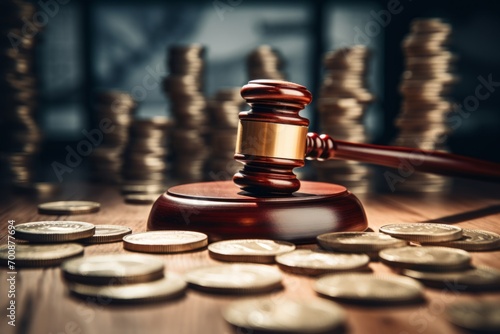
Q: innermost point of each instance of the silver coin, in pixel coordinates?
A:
(369, 288)
(249, 250)
(430, 258)
(472, 240)
(478, 316)
(68, 207)
(285, 315)
(40, 255)
(54, 231)
(358, 242)
(165, 241)
(423, 231)
(107, 233)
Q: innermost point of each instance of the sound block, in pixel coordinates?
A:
(222, 211)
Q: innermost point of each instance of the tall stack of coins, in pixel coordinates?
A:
(265, 63)
(342, 103)
(145, 158)
(425, 84)
(20, 136)
(115, 108)
(184, 87)
(224, 109)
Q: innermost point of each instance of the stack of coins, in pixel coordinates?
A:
(265, 63)
(425, 84)
(145, 157)
(115, 108)
(342, 103)
(224, 109)
(20, 136)
(184, 87)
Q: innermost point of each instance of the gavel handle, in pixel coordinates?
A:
(323, 147)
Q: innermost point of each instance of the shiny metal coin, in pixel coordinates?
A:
(165, 241)
(107, 233)
(39, 255)
(113, 269)
(475, 316)
(431, 258)
(249, 250)
(472, 240)
(358, 242)
(285, 315)
(54, 231)
(68, 207)
(235, 278)
(423, 232)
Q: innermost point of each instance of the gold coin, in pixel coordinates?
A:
(25, 255)
(54, 231)
(68, 207)
(165, 241)
(308, 262)
(141, 198)
(113, 269)
(358, 242)
(431, 258)
(475, 316)
(107, 233)
(285, 315)
(235, 278)
(369, 288)
(472, 240)
(168, 287)
(474, 279)
(249, 250)
(423, 232)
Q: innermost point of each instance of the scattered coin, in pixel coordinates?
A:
(470, 280)
(40, 255)
(308, 262)
(141, 198)
(285, 315)
(369, 288)
(165, 241)
(108, 233)
(472, 240)
(54, 231)
(235, 278)
(249, 250)
(358, 242)
(68, 207)
(477, 316)
(423, 232)
(430, 258)
(113, 269)
(166, 288)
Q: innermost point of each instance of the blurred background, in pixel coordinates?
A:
(87, 47)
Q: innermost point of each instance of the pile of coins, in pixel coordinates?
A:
(425, 85)
(20, 136)
(145, 157)
(184, 87)
(342, 102)
(117, 109)
(265, 63)
(224, 108)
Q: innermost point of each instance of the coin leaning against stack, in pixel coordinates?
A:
(342, 103)
(20, 135)
(265, 62)
(184, 87)
(425, 85)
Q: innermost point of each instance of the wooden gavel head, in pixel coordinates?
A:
(272, 137)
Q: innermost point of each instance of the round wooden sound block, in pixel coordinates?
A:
(222, 211)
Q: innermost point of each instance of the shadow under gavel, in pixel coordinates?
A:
(273, 140)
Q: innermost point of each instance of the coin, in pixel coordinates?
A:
(308, 262)
(165, 288)
(358, 242)
(113, 269)
(285, 315)
(54, 231)
(432, 258)
(423, 232)
(474, 279)
(107, 233)
(165, 241)
(249, 250)
(369, 288)
(475, 316)
(141, 198)
(68, 207)
(235, 278)
(472, 240)
(27, 255)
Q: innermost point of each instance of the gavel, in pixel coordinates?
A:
(273, 139)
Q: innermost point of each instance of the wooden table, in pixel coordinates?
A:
(44, 306)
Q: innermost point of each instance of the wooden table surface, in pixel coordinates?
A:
(43, 304)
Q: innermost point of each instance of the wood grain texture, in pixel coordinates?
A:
(44, 306)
